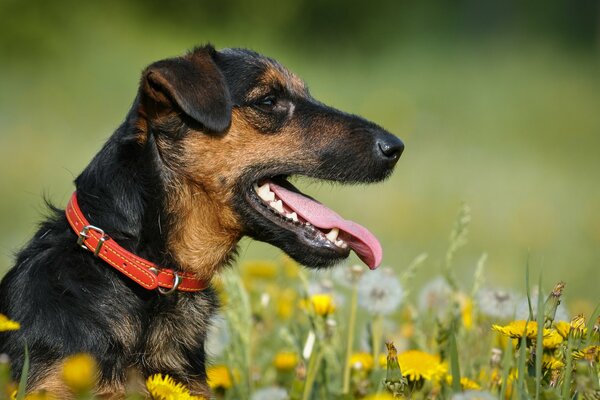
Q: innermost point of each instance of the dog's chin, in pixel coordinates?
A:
(301, 240)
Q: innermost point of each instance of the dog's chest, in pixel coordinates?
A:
(175, 335)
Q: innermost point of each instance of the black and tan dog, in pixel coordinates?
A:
(200, 161)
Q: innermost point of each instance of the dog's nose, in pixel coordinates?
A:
(389, 147)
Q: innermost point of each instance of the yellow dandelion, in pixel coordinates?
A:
(549, 361)
(165, 388)
(417, 365)
(286, 303)
(285, 360)
(383, 360)
(80, 372)
(362, 361)
(467, 313)
(35, 396)
(7, 324)
(322, 304)
(379, 396)
(219, 377)
(563, 328)
(260, 269)
(590, 353)
(578, 328)
(465, 383)
(551, 339)
(516, 329)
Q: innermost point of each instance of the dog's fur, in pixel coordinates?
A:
(174, 184)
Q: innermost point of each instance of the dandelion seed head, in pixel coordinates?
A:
(270, 393)
(498, 303)
(218, 337)
(474, 395)
(436, 296)
(380, 292)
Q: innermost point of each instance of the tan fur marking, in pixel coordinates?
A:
(277, 74)
(206, 228)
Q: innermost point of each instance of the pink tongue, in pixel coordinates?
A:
(363, 242)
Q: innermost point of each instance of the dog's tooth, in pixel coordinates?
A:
(278, 205)
(332, 234)
(264, 192)
(293, 216)
(340, 243)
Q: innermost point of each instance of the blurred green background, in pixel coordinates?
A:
(498, 103)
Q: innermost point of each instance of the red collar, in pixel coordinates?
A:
(147, 274)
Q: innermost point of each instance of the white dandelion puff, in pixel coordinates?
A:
(498, 303)
(435, 296)
(217, 338)
(523, 310)
(270, 393)
(379, 291)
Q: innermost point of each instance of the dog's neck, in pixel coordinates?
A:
(135, 208)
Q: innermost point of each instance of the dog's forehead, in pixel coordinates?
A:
(245, 69)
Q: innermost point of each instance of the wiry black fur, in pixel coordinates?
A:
(68, 301)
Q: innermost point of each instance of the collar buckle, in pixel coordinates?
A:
(84, 234)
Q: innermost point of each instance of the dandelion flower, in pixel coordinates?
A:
(271, 393)
(35, 396)
(260, 270)
(362, 361)
(322, 304)
(417, 365)
(474, 395)
(285, 360)
(590, 353)
(218, 377)
(165, 388)
(465, 383)
(549, 361)
(7, 324)
(498, 303)
(380, 396)
(516, 330)
(80, 372)
(380, 292)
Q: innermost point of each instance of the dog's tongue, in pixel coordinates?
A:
(363, 242)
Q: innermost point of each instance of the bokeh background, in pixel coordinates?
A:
(498, 103)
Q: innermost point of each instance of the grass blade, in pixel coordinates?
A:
(454, 364)
(506, 365)
(539, 349)
(527, 289)
(590, 327)
(521, 362)
(24, 376)
(566, 388)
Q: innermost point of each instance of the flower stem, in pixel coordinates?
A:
(311, 374)
(376, 333)
(350, 339)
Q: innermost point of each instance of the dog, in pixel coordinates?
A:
(202, 159)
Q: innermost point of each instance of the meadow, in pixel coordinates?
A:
(501, 134)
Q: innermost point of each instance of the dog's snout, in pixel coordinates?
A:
(389, 147)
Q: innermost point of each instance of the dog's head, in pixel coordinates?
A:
(230, 127)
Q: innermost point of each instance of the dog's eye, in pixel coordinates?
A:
(267, 102)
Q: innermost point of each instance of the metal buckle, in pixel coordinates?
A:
(84, 235)
(176, 283)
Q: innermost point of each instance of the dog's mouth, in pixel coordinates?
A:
(321, 228)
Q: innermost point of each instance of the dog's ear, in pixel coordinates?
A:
(192, 84)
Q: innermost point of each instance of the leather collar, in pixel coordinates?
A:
(147, 274)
